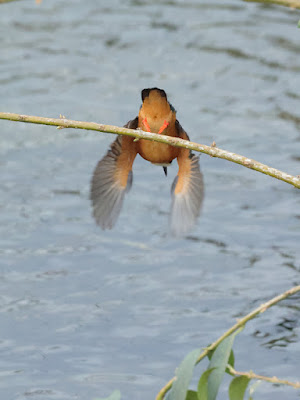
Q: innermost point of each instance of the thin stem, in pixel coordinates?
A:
(241, 322)
(286, 3)
(6, 1)
(274, 379)
(213, 151)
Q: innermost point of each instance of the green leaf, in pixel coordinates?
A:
(184, 374)
(231, 359)
(299, 24)
(209, 354)
(238, 387)
(202, 384)
(191, 395)
(230, 362)
(116, 395)
(219, 362)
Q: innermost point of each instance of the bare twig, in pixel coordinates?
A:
(210, 150)
(286, 3)
(6, 1)
(274, 379)
(259, 310)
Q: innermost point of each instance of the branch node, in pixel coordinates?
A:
(213, 145)
(248, 163)
(61, 117)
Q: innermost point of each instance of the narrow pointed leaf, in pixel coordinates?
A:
(116, 395)
(202, 384)
(219, 362)
(191, 395)
(231, 359)
(184, 374)
(230, 362)
(209, 354)
(299, 24)
(238, 387)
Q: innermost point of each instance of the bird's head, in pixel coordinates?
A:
(156, 113)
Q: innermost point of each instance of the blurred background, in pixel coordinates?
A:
(84, 312)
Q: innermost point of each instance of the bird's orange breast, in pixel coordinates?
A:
(157, 153)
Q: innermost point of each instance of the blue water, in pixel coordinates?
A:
(84, 312)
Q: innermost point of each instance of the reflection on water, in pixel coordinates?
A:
(83, 312)
(285, 333)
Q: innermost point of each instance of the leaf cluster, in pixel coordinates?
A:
(211, 379)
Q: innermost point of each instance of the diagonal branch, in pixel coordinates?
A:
(210, 150)
(286, 3)
(241, 322)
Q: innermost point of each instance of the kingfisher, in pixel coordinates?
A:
(112, 177)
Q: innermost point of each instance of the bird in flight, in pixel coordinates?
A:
(112, 177)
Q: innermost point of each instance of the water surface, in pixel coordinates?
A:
(85, 311)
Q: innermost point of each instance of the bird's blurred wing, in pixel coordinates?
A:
(187, 190)
(112, 178)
